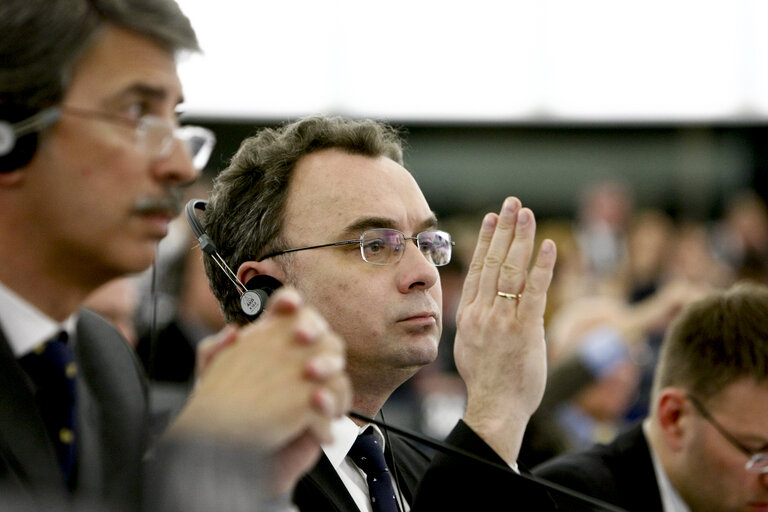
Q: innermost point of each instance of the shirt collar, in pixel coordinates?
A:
(670, 498)
(344, 432)
(25, 326)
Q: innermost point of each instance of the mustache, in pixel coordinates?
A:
(169, 202)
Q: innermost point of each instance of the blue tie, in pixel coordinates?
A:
(52, 369)
(368, 455)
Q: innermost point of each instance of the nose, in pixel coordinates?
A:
(763, 477)
(176, 168)
(415, 271)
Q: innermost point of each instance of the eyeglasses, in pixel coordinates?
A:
(154, 135)
(386, 246)
(758, 461)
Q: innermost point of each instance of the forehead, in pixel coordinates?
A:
(743, 397)
(122, 62)
(331, 190)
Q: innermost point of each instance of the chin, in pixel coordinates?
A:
(135, 260)
(423, 354)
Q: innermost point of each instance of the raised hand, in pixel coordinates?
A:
(500, 350)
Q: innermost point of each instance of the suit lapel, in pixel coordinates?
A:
(114, 412)
(639, 483)
(321, 490)
(411, 463)
(25, 449)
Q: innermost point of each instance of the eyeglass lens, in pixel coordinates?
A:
(758, 463)
(158, 137)
(385, 246)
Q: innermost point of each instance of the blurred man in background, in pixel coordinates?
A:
(91, 163)
(704, 446)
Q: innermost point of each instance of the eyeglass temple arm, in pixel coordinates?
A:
(278, 253)
(704, 412)
(38, 121)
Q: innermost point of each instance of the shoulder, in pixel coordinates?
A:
(604, 471)
(106, 358)
(471, 476)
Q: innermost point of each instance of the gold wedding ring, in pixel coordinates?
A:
(513, 296)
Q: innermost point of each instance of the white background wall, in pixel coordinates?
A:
(553, 60)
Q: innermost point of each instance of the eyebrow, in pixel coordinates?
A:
(146, 91)
(367, 223)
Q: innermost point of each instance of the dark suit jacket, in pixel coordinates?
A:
(446, 482)
(112, 432)
(620, 473)
(321, 490)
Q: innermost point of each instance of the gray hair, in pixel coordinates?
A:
(42, 40)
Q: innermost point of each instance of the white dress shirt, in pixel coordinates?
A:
(25, 327)
(345, 431)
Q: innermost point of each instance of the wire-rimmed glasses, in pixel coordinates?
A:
(758, 460)
(384, 246)
(154, 135)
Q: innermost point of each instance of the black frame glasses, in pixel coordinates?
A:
(384, 246)
(758, 460)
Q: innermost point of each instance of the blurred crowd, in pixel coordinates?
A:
(622, 274)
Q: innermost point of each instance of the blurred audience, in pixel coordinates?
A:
(168, 348)
(622, 275)
(601, 224)
(741, 238)
(599, 348)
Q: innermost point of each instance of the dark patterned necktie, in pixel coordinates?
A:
(52, 369)
(368, 455)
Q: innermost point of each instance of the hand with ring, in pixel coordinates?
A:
(499, 348)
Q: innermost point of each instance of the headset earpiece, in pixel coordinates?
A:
(20, 132)
(260, 287)
(253, 294)
(15, 151)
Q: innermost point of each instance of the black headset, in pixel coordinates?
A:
(254, 293)
(19, 133)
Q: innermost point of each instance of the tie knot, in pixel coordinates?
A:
(368, 453)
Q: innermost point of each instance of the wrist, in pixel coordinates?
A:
(502, 432)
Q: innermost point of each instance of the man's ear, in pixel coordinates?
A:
(671, 414)
(250, 269)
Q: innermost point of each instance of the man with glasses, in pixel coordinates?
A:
(325, 205)
(92, 161)
(704, 446)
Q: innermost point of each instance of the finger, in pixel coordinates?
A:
(512, 275)
(498, 250)
(333, 398)
(211, 346)
(324, 366)
(285, 300)
(534, 300)
(310, 327)
(472, 279)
